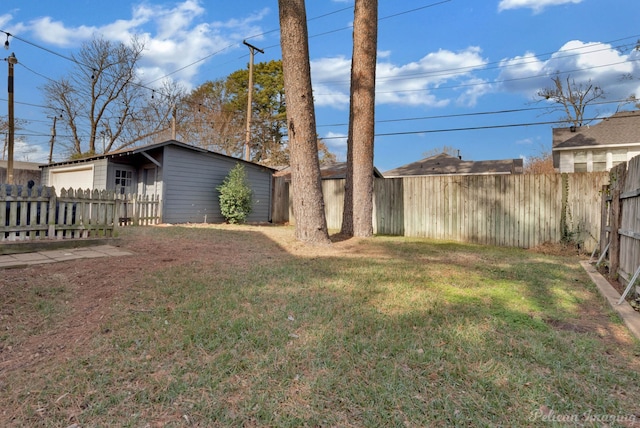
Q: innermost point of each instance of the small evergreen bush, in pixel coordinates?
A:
(235, 196)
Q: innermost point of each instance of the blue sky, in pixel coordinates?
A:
(448, 71)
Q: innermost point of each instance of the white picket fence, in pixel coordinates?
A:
(39, 213)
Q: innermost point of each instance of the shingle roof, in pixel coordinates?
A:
(139, 149)
(622, 128)
(446, 164)
(33, 166)
(336, 170)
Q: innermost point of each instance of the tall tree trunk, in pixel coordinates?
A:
(358, 204)
(308, 203)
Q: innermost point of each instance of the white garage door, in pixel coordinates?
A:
(76, 178)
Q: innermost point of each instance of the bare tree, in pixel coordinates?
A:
(101, 101)
(358, 203)
(571, 97)
(308, 202)
(207, 122)
(19, 124)
(540, 163)
(447, 150)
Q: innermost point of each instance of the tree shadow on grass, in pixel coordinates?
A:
(233, 326)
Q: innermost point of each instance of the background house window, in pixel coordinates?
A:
(123, 181)
(618, 156)
(580, 162)
(599, 161)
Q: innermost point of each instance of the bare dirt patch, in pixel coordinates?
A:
(92, 286)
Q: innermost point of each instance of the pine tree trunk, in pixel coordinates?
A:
(306, 185)
(358, 214)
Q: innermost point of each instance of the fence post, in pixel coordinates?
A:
(51, 211)
(614, 248)
(136, 207)
(618, 179)
(604, 220)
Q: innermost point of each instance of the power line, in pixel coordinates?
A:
(472, 114)
(470, 128)
(310, 37)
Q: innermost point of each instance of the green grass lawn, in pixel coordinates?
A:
(381, 332)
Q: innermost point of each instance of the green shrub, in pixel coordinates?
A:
(235, 196)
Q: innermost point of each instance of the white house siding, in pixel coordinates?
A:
(190, 179)
(632, 154)
(566, 161)
(611, 157)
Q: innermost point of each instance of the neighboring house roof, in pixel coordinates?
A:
(143, 150)
(619, 130)
(332, 171)
(444, 164)
(27, 166)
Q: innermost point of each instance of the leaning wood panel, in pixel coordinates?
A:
(630, 221)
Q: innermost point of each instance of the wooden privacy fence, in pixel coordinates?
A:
(620, 237)
(38, 213)
(506, 210)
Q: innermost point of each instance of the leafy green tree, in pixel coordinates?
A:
(269, 112)
(215, 115)
(235, 196)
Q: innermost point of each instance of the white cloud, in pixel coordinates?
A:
(5, 19)
(330, 77)
(175, 36)
(525, 141)
(29, 153)
(536, 5)
(337, 144)
(600, 63)
(408, 84)
(56, 34)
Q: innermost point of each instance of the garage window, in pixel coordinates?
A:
(123, 181)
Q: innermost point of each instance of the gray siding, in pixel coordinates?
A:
(190, 179)
(99, 173)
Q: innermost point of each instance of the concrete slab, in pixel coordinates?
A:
(630, 317)
(29, 257)
(90, 254)
(60, 255)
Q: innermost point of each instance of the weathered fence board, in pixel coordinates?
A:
(38, 213)
(138, 210)
(507, 210)
(280, 201)
(626, 253)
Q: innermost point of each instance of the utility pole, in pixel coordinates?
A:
(247, 140)
(173, 123)
(53, 138)
(12, 60)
